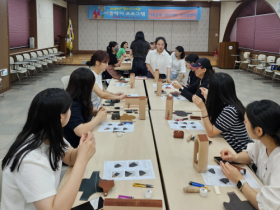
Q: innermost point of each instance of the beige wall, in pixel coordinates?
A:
(45, 31)
(227, 8)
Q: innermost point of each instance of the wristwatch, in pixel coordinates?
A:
(240, 184)
(181, 89)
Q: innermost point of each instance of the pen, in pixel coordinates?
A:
(196, 184)
(125, 197)
(143, 185)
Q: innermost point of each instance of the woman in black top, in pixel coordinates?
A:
(112, 51)
(203, 70)
(191, 59)
(82, 111)
(139, 49)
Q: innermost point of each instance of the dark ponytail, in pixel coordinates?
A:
(181, 49)
(100, 56)
(110, 46)
(266, 115)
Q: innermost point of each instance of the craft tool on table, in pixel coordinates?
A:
(142, 185)
(125, 197)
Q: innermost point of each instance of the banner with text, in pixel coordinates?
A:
(143, 13)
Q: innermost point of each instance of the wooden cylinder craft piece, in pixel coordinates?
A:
(191, 189)
(132, 80)
(159, 87)
(156, 75)
(265, 59)
(142, 107)
(169, 108)
(256, 57)
(200, 153)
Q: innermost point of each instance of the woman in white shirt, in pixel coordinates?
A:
(99, 61)
(262, 121)
(159, 59)
(32, 166)
(178, 66)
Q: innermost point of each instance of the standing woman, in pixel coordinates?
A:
(224, 112)
(191, 59)
(122, 50)
(203, 70)
(32, 166)
(99, 61)
(262, 120)
(139, 49)
(112, 50)
(159, 59)
(80, 89)
(178, 66)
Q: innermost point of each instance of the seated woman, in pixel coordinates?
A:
(122, 50)
(99, 61)
(159, 59)
(191, 59)
(203, 70)
(178, 66)
(82, 111)
(112, 50)
(262, 120)
(152, 45)
(224, 112)
(32, 166)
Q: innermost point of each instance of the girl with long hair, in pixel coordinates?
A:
(112, 50)
(80, 88)
(99, 61)
(139, 49)
(178, 66)
(262, 120)
(122, 51)
(159, 59)
(223, 113)
(32, 166)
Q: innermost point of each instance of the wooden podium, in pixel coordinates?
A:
(226, 49)
(62, 43)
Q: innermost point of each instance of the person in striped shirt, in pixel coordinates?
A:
(223, 112)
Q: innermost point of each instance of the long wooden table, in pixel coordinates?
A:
(137, 145)
(156, 103)
(176, 163)
(125, 66)
(138, 89)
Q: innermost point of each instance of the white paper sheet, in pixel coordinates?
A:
(214, 179)
(182, 125)
(128, 170)
(179, 98)
(122, 84)
(132, 95)
(163, 85)
(116, 126)
(140, 78)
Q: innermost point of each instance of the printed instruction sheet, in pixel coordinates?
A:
(116, 126)
(132, 95)
(215, 177)
(128, 170)
(122, 84)
(163, 85)
(182, 125)
(178, 98)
